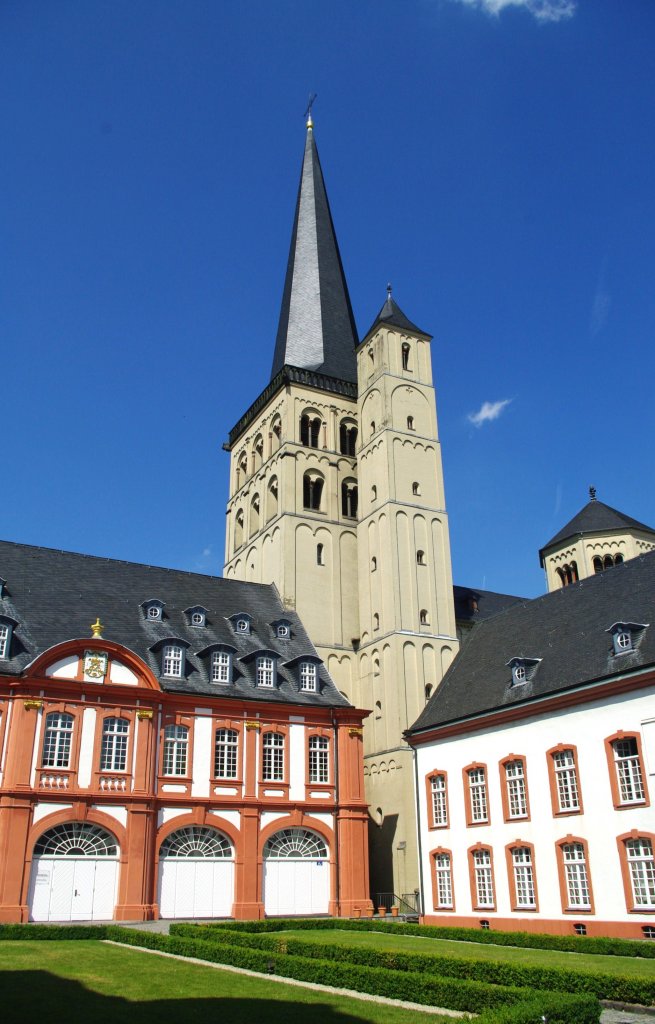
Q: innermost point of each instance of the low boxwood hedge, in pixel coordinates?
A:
(565, 943)
(52, 931)
(454, 993)
(601, 985)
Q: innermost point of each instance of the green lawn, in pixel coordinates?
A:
(625, 965)
(87, 981)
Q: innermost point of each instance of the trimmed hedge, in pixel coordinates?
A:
(564, 943)
(457, 994)
(601, 985)
(52, 931)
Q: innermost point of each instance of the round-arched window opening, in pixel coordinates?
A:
(76, 839)
(416, 488)
(196, 841)
(623, 641)
(295, 844)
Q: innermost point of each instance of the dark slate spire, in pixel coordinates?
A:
(392, 315)
(594, 517)
(317, 329)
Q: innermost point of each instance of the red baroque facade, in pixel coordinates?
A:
(120, 799)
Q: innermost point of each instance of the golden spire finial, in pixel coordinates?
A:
(97, 628)
(308, 112)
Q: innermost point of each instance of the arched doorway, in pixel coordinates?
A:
(196, 873)
(74, 874)
(296, 873)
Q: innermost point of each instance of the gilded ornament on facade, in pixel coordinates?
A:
(252, 725)
(30, 705)
(95, 664)
(144, 713)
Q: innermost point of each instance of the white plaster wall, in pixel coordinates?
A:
(268, 816)
(86, 748)
(66, 668)
(43, 810)
(119, 813)
(234, 817)
(297, 762)
(123, 675)
(202, 750)
(168, 813)
(584, 727)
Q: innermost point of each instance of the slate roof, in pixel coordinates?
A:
(54, 596)
(595, 517)
(566, 629)
(476, 605)
(316, 329)
(392, 315)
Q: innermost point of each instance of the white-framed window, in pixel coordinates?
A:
(176, 746)
(308, 675)
(439, 800)
(628, 771)
(319, 768)
(197, 618)
(273, 762)
(220, 667)
(154, 612)
(57, 740)
(623, 641)
(5, 634)
(113, 754)
(243, 626)
(444, 880)
(483, 877)
(478, 794)
(523, 877)
(566, 780)
(265, 671)
(517, 801)
(575, 873)
(283, 631)
(226, 746)
(172, 661)
(642, 871)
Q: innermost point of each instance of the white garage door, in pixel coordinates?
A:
(296, 874)
(196, 874)
(74, 874)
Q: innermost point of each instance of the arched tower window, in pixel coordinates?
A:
(347, 438)
(276, 434)
(272, 498)
(258, 452)
(254, 514)
(349, 499)
(416, 488)
(320, 555)
(410, 422)
(420, 557)
(310, 429)
(404, 352)
(376, 621)
(374, 564)
(423, 617)
(238, 530)
(312, 490)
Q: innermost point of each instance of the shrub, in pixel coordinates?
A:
(51, 931)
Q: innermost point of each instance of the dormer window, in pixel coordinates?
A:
(241, 623)
(282, 629)
(153, 610)
(522, 669)
(625, 636)
(308, 676)
(221, 667)
(265, 668)
(197, 616)
(5, 639)
(172, 661)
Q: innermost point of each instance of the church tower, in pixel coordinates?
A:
(336, 496)
(406, 608)
(292, 512)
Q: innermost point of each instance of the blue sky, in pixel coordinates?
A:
(492, 159)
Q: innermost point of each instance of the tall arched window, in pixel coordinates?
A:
(423, 617)
(57, 740)
(258, 452)
(238, 530)
(404, 351)
(410, 422)
(272, 499)
(310, 429)
(349, 499)
(320, 556)
(276, 434)
(273, 757)
(312, 490)
(420, 557)
(347, 438)
(319, 759)
(254, 514)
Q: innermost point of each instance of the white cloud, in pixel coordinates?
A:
(488, 411)
(542, 10)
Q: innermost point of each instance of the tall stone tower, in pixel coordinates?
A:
(406, 608)
(336, 496)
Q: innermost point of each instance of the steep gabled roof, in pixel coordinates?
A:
(475, 605)
(392, 316)
(317, 328)
(595, 517)
(564, 633)
(53, 596)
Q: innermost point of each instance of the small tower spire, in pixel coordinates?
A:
(592, 493)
